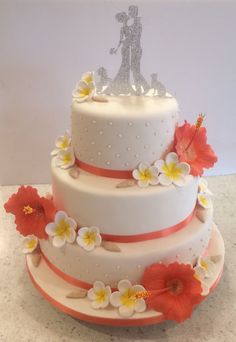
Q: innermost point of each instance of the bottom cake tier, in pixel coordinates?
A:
(128, 260)
(55, 289)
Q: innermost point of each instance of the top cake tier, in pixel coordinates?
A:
(121, 133)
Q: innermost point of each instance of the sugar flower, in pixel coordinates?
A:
(172, 171)
(85, 88)
(89, 238)
(204, 269)
(172, 289)
(99, 294)
(190, 143)
(204, 200)
(62, 143)
(32, 212)
(30, 243)
(62, 229)
(203, 187)
(145, 175)
(65, 158)
(128, 298)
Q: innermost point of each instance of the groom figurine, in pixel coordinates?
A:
(140, 83)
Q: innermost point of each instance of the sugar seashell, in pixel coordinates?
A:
(74, 172)
(216, 258)
(80, 293)
(35, 258)
(126, 184)
(100, 98)
(202, 214)
(110, 246)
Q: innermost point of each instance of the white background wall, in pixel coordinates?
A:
(46, 45)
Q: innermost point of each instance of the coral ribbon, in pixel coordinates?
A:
(98, 171)
(102, 320)
(149, 236)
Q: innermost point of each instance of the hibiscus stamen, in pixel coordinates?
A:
(28, 210)
(147, 294)
(198, 124)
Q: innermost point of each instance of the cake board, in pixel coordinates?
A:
(54, 289)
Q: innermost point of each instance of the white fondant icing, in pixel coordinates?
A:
(183, 246)
(124, 123)
(95, 201)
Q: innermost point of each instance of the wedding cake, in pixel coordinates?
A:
(127, 235)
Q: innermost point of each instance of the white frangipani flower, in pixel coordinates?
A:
(204, 269)
(203, 187)
(62, 229)
(128, 298)
(145, 175)
(85, 88)
(172, 171)
(88, 77)
(89, 238)
(99, 294)
(62, 143)
(204, 200)
(30, 243)
(65, 158)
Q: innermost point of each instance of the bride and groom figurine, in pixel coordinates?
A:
(131, 53)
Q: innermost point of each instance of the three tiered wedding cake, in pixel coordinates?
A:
(127, 236)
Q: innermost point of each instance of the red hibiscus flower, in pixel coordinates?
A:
(32, 213)
(190, 144)
(172, 289)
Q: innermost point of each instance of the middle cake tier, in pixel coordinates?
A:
(123, 212)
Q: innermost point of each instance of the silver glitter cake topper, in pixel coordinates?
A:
(130, 48)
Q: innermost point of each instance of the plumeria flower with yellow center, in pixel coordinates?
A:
(89, 238)
(99, 294)
(30, 243)
(65, 158)
(62, 143)
(172, 171)
(204, 200)
(204, 269)
(85, 88)
(128, 298)
(145, 175)
(203, 187)
(62, 230)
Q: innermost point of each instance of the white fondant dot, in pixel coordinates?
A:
(136, 155)
(129, 148)
(127, 277)
(130, 123)
(117, 155)
(118, 267)
(126, 164)
(161, 144)
(147, 124)
(91, 159)
(119, 135)
(92, 142)
(99, 153)
(146, 147)
(94, 122)
(101, 132)
(108, 146)
(108, 162)
(106, 275)
(162, 121)
(110, 123)
(86, 129)
(96, 265)
(137, 136)
(155, 133)
(167, 131)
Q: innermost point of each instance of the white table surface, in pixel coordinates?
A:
(26, 316)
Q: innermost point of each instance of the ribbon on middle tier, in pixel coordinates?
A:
(98, 171)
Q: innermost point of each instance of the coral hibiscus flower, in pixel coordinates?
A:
(172, 289)
(32, 212)
(190, 143)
